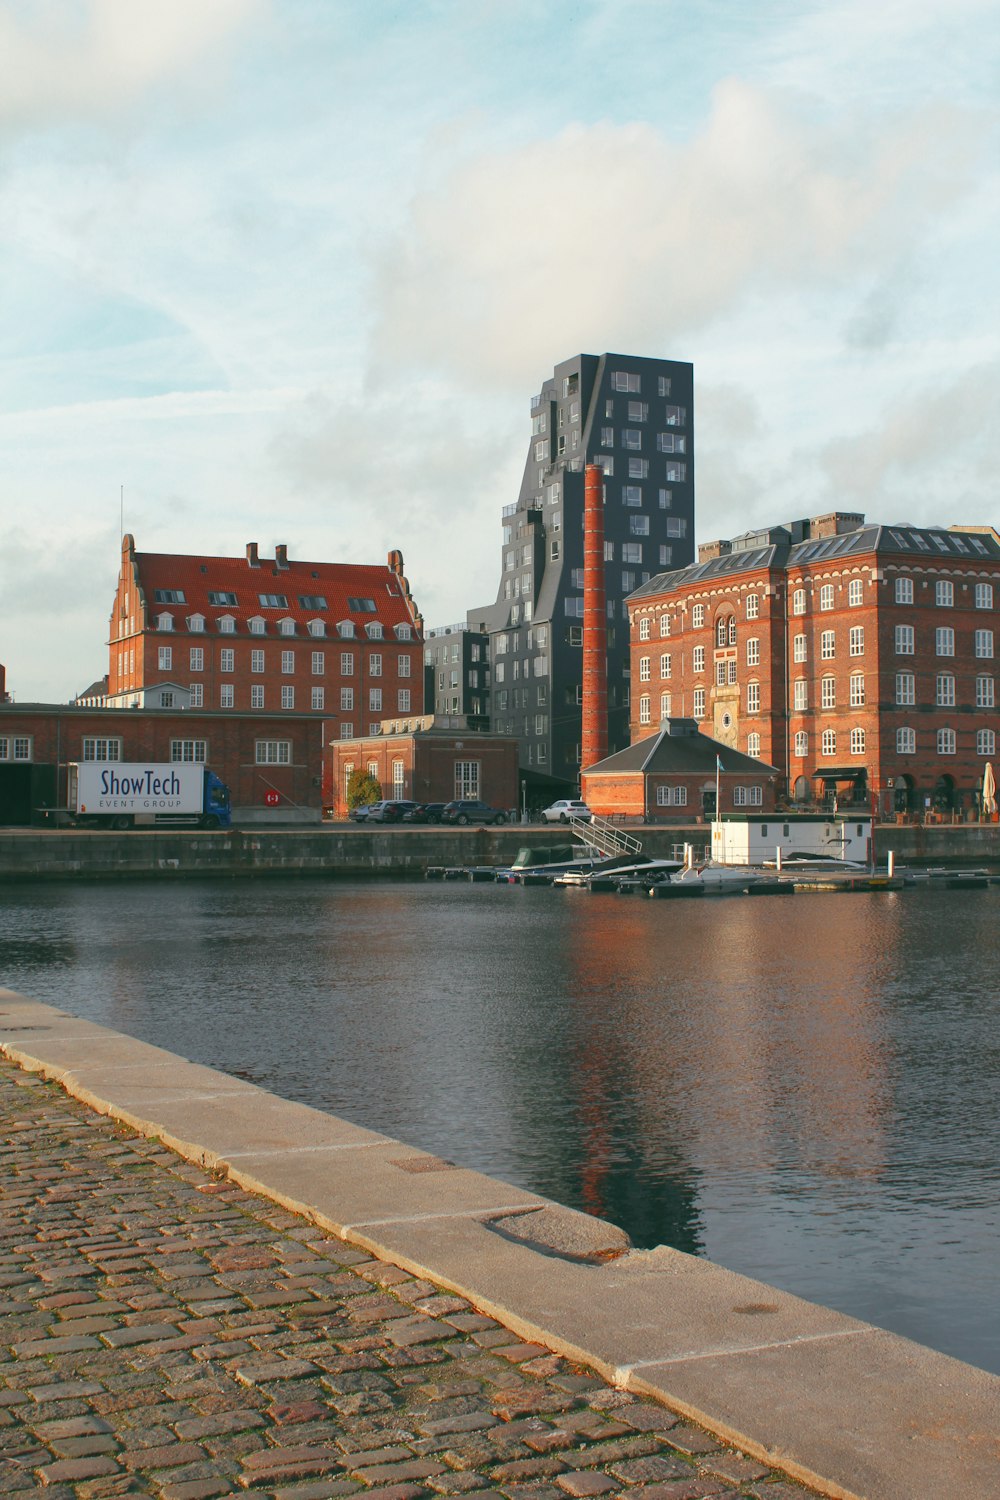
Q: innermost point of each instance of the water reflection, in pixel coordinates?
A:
(802, 1090)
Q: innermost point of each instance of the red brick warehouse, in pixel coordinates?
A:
(858, 659)
(255, 634)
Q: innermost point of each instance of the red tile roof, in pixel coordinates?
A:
(337, 583)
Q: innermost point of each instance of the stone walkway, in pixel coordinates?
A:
(164, 1333)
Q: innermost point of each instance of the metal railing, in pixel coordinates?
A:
(601, 835)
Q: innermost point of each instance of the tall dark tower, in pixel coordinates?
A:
(633, 418)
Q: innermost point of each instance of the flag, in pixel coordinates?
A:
(718, 763)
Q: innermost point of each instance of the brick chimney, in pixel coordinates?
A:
(594, 738)
(281, 555)
(252, 557)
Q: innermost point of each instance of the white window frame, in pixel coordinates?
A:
(101, 748)
(184, 752)
(272, 752)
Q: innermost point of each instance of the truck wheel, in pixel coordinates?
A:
(210, 821)
(120, 824)
(500, 819)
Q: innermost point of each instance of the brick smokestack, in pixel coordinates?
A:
(594, 740)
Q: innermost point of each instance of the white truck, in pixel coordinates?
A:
(134, 794)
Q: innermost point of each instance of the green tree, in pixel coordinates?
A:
(362, 788)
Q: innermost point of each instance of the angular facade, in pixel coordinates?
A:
(457, 674)
(858, 659)
(252, 634)
(634, 417)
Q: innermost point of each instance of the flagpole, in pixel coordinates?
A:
(718, 805)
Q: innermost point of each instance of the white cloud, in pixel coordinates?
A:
(87, 59)
(415, 468)
(615, 237)
(933, 455)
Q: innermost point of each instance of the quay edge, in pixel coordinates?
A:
(349, 852)
(855, 1412)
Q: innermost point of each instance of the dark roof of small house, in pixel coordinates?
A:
(674, 749)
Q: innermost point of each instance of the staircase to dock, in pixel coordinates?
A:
(604, 837)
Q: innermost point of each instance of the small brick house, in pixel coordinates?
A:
(673, 774)
(425, 759)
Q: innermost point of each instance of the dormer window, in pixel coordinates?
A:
(374, 630)
(403, 632)
(165, 621)
(345, 629)
(286, 626)
(257, 625)
(317, 627)
(196, 624)
(227, 625)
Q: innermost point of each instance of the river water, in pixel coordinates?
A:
(806, 1091)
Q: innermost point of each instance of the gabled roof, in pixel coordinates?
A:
(671, 753)
(340, 586)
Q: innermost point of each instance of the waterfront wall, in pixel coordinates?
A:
(352, 853)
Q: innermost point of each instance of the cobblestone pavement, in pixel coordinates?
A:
(165, 1333)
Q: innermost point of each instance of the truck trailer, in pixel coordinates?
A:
(139, 794)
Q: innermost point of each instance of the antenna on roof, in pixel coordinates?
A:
(121, 512)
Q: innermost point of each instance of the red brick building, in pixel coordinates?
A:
(257, 755)
(424, 760)
(266, 635)
(673, 775)
(858, 659)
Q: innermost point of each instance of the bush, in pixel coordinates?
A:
(362, 789)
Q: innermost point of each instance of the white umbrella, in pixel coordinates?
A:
(989, 790)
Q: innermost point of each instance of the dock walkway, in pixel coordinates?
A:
(166, 1333)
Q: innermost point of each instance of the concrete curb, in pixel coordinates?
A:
(858, 1413)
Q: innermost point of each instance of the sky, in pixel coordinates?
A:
(291, 271)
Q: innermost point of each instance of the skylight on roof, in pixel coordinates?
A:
(221, 598)
(361, 606)
(979, 545)
(169, 596)
(920, 541)
(941, 543)
(273, 601)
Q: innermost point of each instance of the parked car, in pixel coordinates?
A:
(566, 808)
(360, 814)
(471, 812)
(391, 810)
(424, 812)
